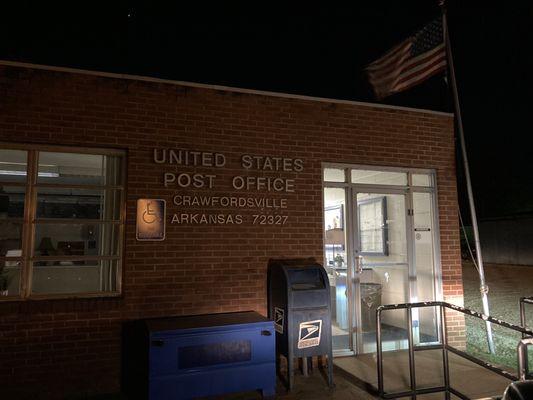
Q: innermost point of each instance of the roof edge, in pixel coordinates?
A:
(142, 78)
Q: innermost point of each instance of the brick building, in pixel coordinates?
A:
(246, 176)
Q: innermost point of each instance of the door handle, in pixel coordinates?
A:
(358, 264)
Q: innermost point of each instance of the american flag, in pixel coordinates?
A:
(409, 63)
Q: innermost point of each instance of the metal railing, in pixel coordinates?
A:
(521, 350)
(443, 345)
(523, 368)
(523, 302)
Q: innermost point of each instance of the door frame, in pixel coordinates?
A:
(351, 191)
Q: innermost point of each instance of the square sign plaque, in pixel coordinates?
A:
(151, 216)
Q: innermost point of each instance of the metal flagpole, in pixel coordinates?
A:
(483, 288)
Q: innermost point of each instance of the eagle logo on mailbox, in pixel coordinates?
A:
(309, 335)
(279, 317)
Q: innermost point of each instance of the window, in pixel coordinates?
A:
(375, 177)
(422, 180)
(334, 175)
(373, 235)
(61, 221)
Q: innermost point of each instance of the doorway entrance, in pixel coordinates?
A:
(381, 247)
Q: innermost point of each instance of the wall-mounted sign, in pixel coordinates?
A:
(151, 216)
(259, 187)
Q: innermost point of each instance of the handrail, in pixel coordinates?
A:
(521, 351)
(413, 392)
(522, 303)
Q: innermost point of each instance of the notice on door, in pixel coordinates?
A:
(309, 335)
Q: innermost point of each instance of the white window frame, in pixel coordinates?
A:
(28, 257)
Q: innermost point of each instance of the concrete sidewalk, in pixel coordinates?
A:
(355, 378)
(470, 379)
(313, 387)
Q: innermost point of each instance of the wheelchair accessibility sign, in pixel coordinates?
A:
(151, 215)
(309, 334)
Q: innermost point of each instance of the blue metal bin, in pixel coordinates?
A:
(201, 355)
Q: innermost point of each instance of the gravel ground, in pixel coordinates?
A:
(507, 283)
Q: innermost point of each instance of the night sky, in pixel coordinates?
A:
(317, 50)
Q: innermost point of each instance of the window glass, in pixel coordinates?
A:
(10, 238)
(10, 277)
(61, 277)
(67, 253)
(383, 244)
(12, 201)
(421, 180)
(372, 218)
(334, 175)
(336, 264)
(13, 165)
(423, 214)
(53, 239)
(379, 177)
(382, 227)
(13, 168)
(71, 168)
(76, 203)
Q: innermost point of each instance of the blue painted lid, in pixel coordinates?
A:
(192, 322)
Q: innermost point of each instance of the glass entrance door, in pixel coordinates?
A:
(381, 246)
(382, 273)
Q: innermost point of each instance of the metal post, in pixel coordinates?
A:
(522, 315)
(483, 288)
(305, 367)
(290, 356)
(445, 361)
(521, 351)
(330, 368)
(290, 370)
(379, 353)
(412, 372)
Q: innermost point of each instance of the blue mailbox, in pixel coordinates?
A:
(299, 301)
(200, 355)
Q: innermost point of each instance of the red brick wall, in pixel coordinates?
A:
(73, 346)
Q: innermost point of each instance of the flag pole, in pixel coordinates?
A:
(483, 287)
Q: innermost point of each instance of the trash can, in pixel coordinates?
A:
(370, 301)
(299, 303)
